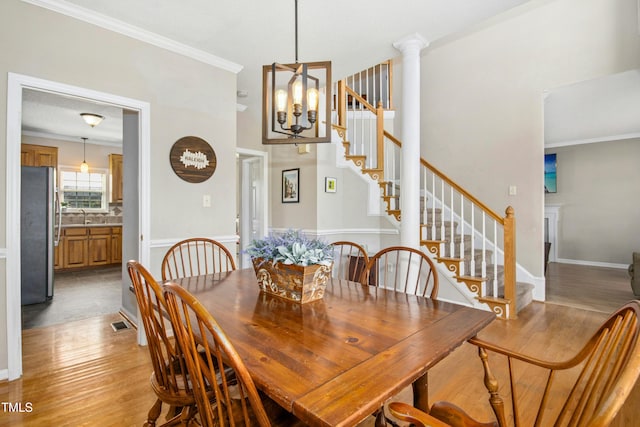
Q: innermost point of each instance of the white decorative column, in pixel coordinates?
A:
(410, 47)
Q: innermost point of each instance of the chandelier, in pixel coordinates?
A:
(294, 97)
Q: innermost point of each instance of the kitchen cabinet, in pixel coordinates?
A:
(116, 245)
(75, 247)
(38, 155)
(99, 246)
(115, 173)
(57, 256)
(82, 247)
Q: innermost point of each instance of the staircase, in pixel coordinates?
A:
(474, 247)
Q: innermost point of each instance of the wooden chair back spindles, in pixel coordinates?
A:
(402, 269)
(605, 372)
(349, 261)
(236, 396)
(169, 378)
(196, 256)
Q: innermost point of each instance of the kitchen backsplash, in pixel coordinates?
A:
(114, 216)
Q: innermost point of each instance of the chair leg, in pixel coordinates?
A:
(382, 420)
(184, 417)
(154, 413)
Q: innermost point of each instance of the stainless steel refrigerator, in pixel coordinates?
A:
(38, 212)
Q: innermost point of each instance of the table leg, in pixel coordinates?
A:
(421, 393)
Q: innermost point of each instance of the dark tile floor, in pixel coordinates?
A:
(77, 295)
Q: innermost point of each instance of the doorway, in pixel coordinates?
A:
(252, 209)
(87, 232)
(138, 225)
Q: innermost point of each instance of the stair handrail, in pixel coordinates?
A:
(449, 181)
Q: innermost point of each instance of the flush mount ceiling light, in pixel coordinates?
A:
(296, 100)
(91, 119)
(84, 166)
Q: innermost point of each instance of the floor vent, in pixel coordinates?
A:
(118, 326)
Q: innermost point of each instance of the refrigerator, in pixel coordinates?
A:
(39, 209)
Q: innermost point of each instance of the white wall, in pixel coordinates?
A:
(482, 97)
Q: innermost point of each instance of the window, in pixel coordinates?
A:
(84, 190)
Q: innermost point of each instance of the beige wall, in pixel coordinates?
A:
(482, 98)
(302, 215)
(599, 208)
(186, 97)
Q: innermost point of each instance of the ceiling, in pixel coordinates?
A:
(597, 110)
(51, 115)
(251, 33)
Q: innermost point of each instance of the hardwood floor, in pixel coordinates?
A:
(85, 374)
(591, 288)
(80, 373)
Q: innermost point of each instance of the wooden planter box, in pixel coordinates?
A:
(292, 282)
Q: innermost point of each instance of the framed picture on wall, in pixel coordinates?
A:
(550, 179)
(291, 186)
(329, 184)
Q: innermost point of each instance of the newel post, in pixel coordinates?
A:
(380, 134)
(510, 261)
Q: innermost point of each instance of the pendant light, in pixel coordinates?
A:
(84, 167)
(293, 98)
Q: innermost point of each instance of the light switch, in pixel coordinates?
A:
(513, 190)
(206, 201)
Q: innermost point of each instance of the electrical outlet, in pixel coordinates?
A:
(206, 201)
(513, 190)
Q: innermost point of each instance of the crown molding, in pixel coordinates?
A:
(592, 140)
(115, 25)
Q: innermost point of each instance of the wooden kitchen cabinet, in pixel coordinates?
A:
(38, 155)
(99, 246)
(82, 247)
(116, 245)
(57, 256)
(75, 248)
(115, 172)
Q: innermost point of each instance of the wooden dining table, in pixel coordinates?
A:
(335, 361)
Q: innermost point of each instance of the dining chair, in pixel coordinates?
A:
(607, 368)
(206, 348)
(196, 256)
(169, 379)
(402, 269)
(349, 260)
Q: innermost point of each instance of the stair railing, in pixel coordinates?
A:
(452, 218)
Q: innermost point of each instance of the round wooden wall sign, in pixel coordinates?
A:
(193, 159)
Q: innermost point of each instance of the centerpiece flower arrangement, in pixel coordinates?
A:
(292, 266)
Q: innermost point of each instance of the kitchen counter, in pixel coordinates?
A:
(93, 224)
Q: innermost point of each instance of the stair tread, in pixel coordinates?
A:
(473, 278)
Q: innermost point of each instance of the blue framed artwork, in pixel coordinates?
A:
(550, 178)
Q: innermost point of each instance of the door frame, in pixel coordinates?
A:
(15, 86)
(263, 157)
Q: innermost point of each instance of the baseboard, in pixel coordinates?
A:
(591, 263)
(4, 374)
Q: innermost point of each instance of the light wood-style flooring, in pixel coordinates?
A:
(591, 288)
(85, 374)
